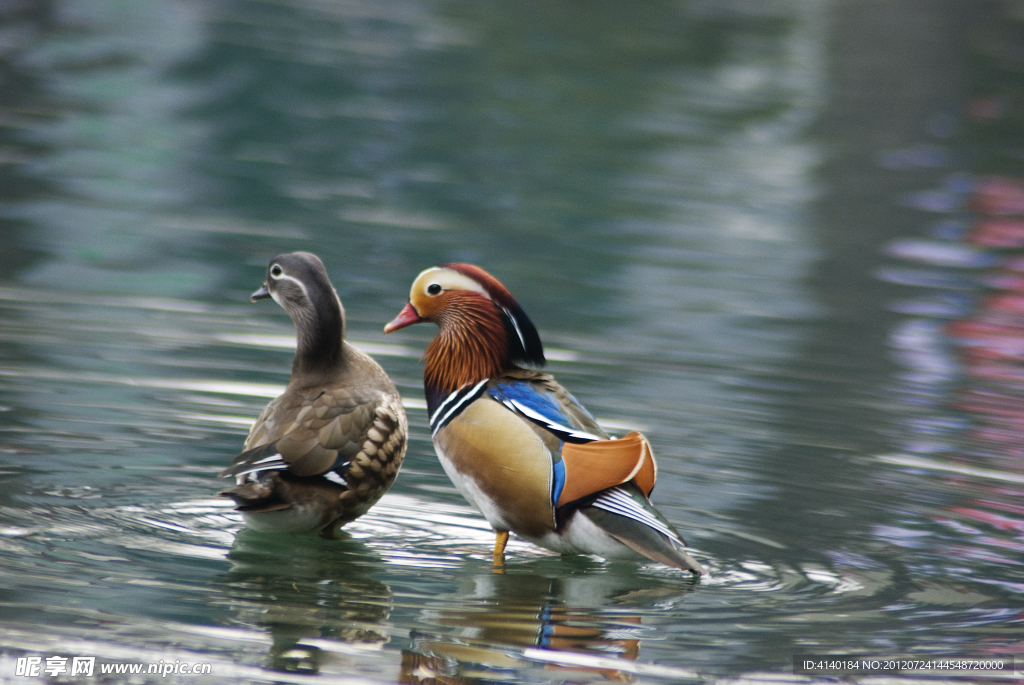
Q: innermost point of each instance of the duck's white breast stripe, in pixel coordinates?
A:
(448, 400)
(458, 401)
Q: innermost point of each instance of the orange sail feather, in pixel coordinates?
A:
(594, 466)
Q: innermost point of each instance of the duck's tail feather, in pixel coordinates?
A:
(624, 513)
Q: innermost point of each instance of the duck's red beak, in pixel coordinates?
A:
(406, 317)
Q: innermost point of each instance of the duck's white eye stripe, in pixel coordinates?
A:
(448, 280)
(285, 277)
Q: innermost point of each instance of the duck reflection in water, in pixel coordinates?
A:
(302, 590)
(494, 618)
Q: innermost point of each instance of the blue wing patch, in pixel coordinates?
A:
(523, 392)
(557, 480)
(539, 407)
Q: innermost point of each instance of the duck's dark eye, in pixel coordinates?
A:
(433, 289)
(276, 271)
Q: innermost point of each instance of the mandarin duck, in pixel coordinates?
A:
(516, 444)
(324, 451)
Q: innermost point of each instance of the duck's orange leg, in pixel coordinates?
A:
(499, 548)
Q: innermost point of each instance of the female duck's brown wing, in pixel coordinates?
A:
(350, 431)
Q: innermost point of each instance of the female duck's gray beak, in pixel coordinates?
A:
(260, 294)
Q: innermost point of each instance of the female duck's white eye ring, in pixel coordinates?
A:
(276, 271)
(433, 289)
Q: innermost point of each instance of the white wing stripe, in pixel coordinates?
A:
(263, 466)
(540, 418)
(618, 502)
(335, 477)
(639, 518)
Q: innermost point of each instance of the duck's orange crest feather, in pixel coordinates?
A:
(498, 292)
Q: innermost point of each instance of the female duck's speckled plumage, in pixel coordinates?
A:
(515, 443)
(324, 451)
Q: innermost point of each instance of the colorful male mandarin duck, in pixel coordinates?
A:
(322, 453)
(516, 444)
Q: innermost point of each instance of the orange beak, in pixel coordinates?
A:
(406, 317)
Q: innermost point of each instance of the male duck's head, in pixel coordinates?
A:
(483, 330)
